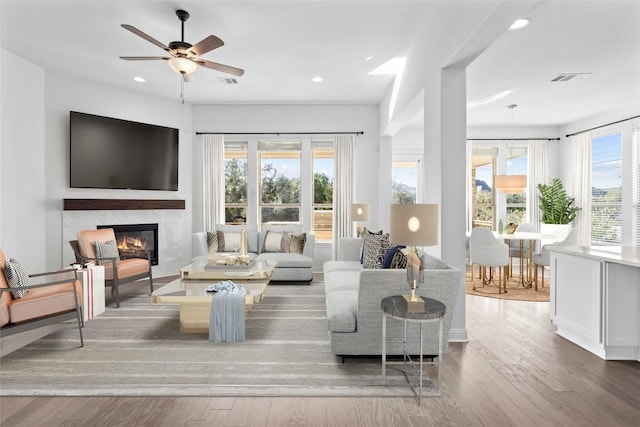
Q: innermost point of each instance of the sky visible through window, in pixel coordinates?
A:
(515, 166)
(607, 162)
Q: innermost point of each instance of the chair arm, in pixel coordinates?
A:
(48, 283)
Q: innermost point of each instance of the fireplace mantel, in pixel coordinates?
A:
(120, 204)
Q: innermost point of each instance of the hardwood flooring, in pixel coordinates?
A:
(514, 371)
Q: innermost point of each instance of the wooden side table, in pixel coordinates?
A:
(396, 307)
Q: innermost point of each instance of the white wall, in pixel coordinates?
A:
(22, 162)
(64, 94)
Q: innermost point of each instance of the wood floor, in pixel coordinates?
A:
(514, 371)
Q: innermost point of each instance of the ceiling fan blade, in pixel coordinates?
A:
(144, 58)
(220, 67)
(206, 45)
(145, 36)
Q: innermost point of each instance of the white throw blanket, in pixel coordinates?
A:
(226, 320)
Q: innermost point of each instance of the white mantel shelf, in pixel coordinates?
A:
(595, 299)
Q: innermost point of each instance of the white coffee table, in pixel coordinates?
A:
(189, 292)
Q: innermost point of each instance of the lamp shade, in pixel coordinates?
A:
(182, 65)
(511, 183)
(414, 225)
(359, 211)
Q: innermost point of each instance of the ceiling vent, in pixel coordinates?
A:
(566, 77)
(228, 80)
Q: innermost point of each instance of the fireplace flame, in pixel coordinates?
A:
(131, 243)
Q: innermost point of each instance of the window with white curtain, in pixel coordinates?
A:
(606, 190)
(483, 169)
(279, 198)
(517, 157)
(235, 182)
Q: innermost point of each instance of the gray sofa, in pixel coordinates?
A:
(291, 266)
(353, 297)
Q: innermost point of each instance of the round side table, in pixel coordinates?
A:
(397, 307)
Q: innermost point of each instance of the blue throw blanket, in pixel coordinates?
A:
(226, 320)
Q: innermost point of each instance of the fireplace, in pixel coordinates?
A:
(132, 237)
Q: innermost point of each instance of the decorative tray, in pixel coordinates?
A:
(213, 265)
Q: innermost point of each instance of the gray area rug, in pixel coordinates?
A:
(137, 350)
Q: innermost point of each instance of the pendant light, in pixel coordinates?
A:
(511, 183)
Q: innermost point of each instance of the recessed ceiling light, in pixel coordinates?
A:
(368, 58)
(317, 79)
(139, 79)
(519, 23)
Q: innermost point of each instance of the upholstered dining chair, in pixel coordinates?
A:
(543, 258)
(487, 251)
(514, 244)
(98, 246)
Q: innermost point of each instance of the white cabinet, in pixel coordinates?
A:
(595, 300)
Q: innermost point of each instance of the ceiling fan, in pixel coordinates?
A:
(184, 57)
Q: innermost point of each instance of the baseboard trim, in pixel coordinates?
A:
(458, 335)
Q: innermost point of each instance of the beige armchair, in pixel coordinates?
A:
(487, 251)
(118, 269)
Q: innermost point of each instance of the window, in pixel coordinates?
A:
(606, 190)
(235, 182)
(636, 190)
(516, 202)
(279, 189)
(404, 181)
(483, 165)
(322, 153)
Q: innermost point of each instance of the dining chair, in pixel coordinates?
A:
(487, 251)
(516, 247)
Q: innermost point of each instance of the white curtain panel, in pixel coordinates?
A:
(537, 173)
(343, 188)
(212, 181)
(581, 184)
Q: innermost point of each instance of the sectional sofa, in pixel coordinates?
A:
(292, 267)
(353, 296)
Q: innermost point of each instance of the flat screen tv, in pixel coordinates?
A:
(113, 153)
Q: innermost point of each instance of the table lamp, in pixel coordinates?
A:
(359, 212)
(414, 225)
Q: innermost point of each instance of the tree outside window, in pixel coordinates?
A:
(516, 202)
(235, 184)
(322, 189)
(606, 190)
(279, 198)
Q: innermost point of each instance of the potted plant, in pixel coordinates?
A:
(557, 208)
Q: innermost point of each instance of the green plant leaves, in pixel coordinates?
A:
(555, 204)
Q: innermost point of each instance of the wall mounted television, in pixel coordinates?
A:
(121, 154)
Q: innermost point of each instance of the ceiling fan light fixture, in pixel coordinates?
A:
(182, 65)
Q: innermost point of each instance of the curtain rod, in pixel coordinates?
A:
(601, 126)
(280, 133)
(510, 139)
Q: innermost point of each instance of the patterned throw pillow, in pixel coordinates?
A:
(365, 233)
(391, 255)
(17, 277)
(376, 247)
(106, 250)
(399, 259)
(297, 243)
(212, 241)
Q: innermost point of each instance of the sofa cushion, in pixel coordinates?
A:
(342, 311)
(344, 280)
(106, 250)
(430, 262)
(330, 266)
(252, 234)
(44, 301)
(276, 241)
(286, 260)
(17, 277)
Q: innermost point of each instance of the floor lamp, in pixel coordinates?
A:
(359, 212)
(414, 225)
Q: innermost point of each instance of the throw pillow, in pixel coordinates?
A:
(273, 241)
(375, 248)
(399, 260)
(365, 233)
(17, 277)
(106, 250)
(391, 255)
(212, 241)
(228, 241)
(297, 243)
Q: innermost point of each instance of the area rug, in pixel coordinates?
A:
(137, 350)
(515, 290)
